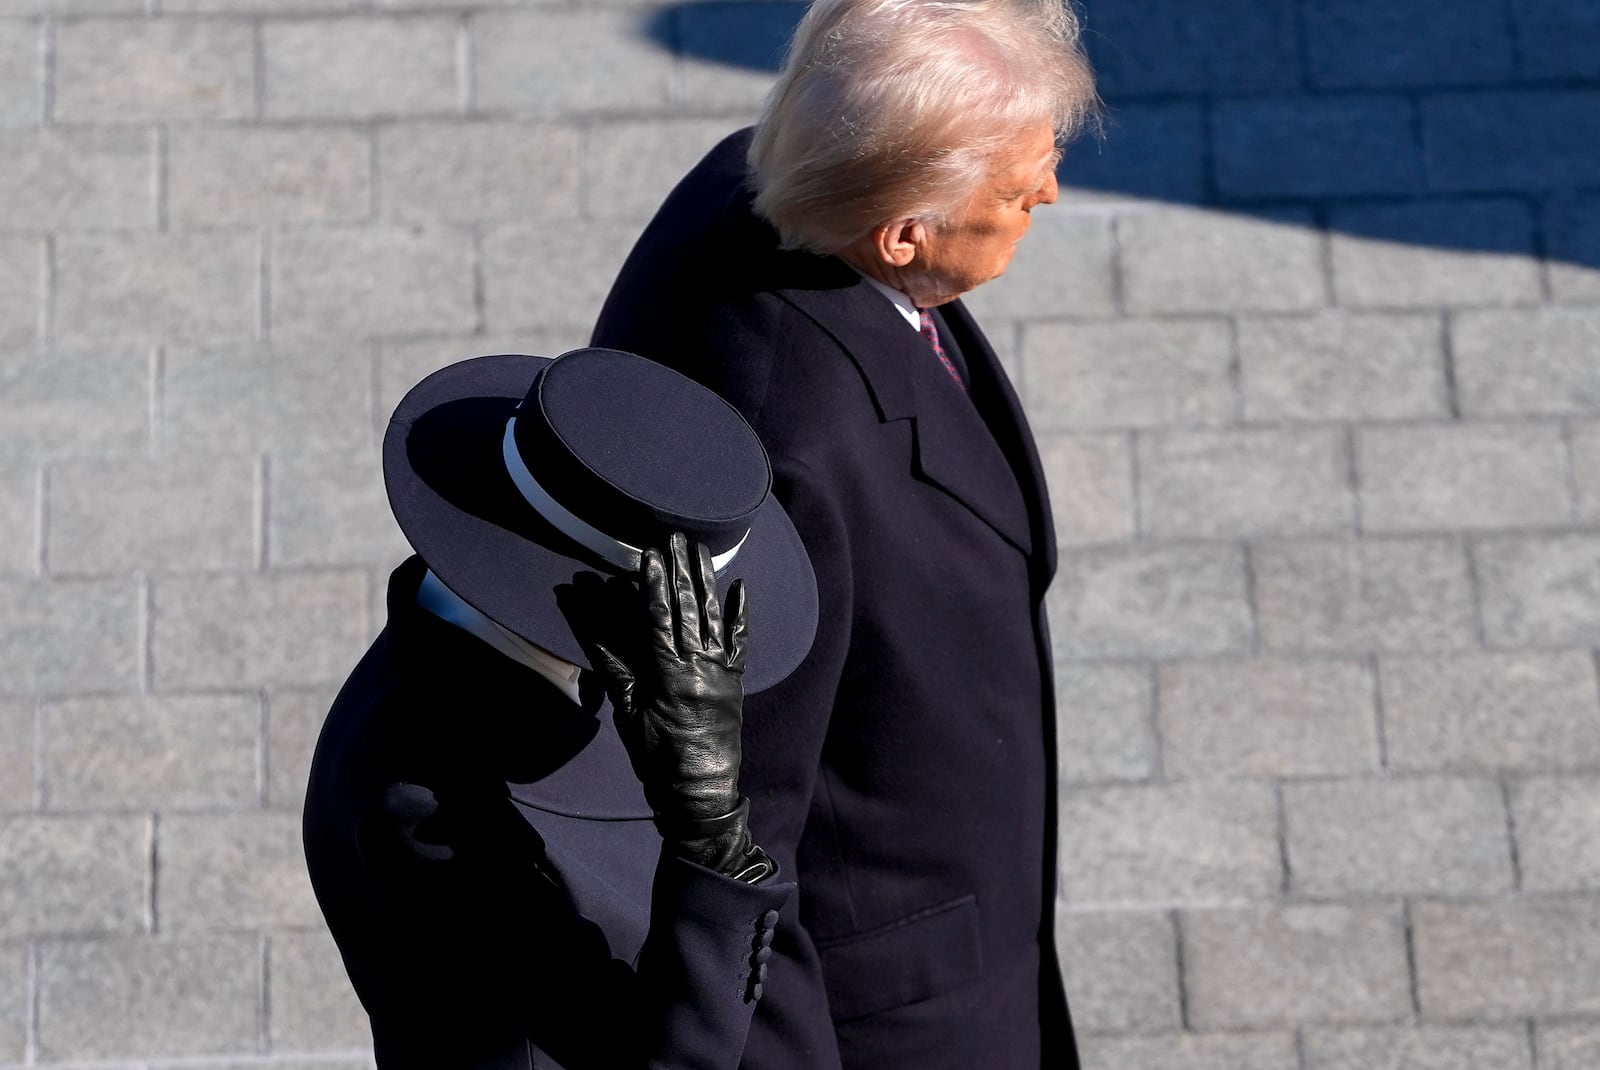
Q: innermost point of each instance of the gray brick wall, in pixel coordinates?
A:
(1311, 344)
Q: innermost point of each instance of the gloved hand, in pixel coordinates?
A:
(678, 710)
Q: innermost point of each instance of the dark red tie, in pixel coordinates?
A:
(931, 333)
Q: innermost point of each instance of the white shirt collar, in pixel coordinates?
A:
(445, 604)
(901, 302)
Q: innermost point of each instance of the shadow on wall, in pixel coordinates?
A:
(1473, 125)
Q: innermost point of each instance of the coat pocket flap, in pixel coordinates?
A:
(911, 959)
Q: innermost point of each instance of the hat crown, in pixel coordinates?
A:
(638, 450)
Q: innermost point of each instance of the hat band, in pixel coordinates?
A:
(575, 527)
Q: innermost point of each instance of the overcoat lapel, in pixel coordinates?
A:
(1012, 422)
(954, 449)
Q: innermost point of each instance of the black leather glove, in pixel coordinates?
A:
(678, 708)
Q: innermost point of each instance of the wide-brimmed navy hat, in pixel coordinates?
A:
(510, 475)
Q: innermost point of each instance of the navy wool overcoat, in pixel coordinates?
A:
(904, 775)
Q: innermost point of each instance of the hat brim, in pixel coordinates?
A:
(457, 506)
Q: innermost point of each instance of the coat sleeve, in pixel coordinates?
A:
(484, 962)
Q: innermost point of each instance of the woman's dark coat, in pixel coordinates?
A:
(486, 861)
(905, 774)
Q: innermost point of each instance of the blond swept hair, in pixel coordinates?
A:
(894, 109)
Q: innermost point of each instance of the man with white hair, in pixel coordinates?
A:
(809, 270)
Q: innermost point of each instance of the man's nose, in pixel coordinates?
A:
(1047, 194)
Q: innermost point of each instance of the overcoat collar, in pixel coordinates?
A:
(955, 450)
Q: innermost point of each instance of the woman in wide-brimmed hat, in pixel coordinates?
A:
(516, 875)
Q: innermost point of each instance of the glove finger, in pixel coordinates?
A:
(684, 600)
(738, 627)
(658, 601)
(705, 575)
(615, 677)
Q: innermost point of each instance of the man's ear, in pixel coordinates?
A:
(899, 241)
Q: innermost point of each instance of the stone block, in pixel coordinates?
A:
(298, 629)
(75, 401)
(77, 179)
(230, 399)
(125, 286)
(69, 635)
(544, 62)
(311, 1004)
(1539, 591)
(384, 280)
(1278, 147)
(728, 52)
(1168, 47)
(1359, 596)
(1519, 712)
(1586, 469)
(359, 67)
(1568, 1045)
(309, 1062)
(1152, 151)
(152, 752)
(1556, 38)
(233, 871)
(16, 754)
(1427, 1047)
(1267, 718)
(328, 507)
(1104, 726)
(24, 8)
(1535, 955)
(1245, 482)
(1462, 476)
(1342, 366)
(1162, 845)
(263, 7)
(1572, 242)
(1364, 43)
(1128, 373)
(554, 275)
(265, 176)
(629, 167)
(22, 288)
(1145, 601)
(294, 719)
(1187, 261)
(1557, 846)
(1505, 140)
(181, 514)
(1121, 970)
(73, 875)
(138, 997)
(19, 518)
(403, 363)
(21, 70)
(1062, 267)
(14, 1000)
(1429, 253)
(1430, 835)
(466, 172)
(1527, 361)
(1190, 1051)
(154, 70)
(1092, 481)
(1279, 966)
